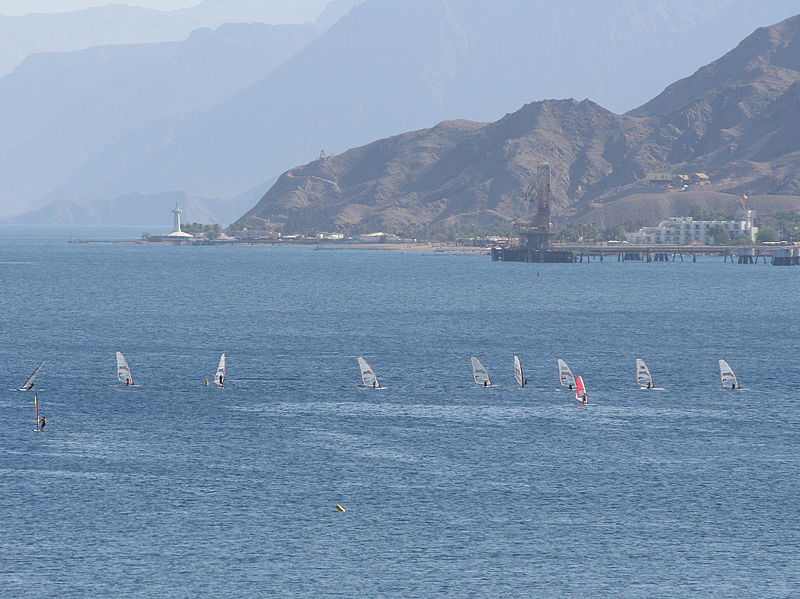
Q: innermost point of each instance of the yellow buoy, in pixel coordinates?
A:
(340, 508)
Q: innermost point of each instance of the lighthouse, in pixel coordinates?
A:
(177, 233)
(177, 212)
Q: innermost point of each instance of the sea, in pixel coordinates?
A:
(174, 489)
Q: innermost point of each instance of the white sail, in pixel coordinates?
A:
(222, 371)
(565, 374)
(727, 376)
(479, 374)
(518, 372)
(643, 376)
(32, 378)
(123, 370)
(368, 376)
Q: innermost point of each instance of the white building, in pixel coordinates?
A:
(177, 233)
(682, 230)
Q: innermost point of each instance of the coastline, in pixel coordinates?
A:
(433, 247)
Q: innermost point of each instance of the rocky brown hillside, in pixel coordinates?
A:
(737, 119)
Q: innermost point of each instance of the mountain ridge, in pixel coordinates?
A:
(104, 93)
(388, 67)
(737, 119)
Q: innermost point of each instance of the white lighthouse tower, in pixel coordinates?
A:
(177, 233)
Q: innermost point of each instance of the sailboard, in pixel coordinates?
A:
(519, 374)
(39, 420)
(580, 391)
(368, 376)
(479, 374)
(643, 375)
(222, 371)
(565, 374)
(123, 370)
(32, 378)
(727, 376)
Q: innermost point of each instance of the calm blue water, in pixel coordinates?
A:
(174, 490)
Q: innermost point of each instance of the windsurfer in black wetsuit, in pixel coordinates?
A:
(374, 384)
(42, 423)
(221, 384)
(650, 385)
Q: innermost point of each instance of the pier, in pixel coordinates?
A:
(580, 253)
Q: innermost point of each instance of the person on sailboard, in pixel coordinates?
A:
(570, 386)
(585, 398)
(485, 383)
(220, 381)
(650, 385)
(42, 423)
(128, 381)
(374, 384)
(205, 382)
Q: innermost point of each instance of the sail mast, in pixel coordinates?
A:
(123, 370)
(32, 378)
(222, 371)
(479, 374)
(519, 374)
(565, 375)
(36, 408)
(643, 376)
(368, 376)
(727, 376)
(580, 389)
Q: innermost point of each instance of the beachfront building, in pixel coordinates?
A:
(682, 230)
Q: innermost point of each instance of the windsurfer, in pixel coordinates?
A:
(42, 423)
(585, 398)
(128, 381)
(485, 383)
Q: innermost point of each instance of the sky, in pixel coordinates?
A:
(22, 7)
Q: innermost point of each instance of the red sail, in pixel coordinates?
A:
(580, 389)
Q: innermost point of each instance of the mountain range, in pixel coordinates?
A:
(384, 67)
(21, 36)
(736, 119)
(109, 91)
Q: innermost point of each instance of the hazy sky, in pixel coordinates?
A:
(22, 7)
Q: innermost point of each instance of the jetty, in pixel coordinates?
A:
(579, 253)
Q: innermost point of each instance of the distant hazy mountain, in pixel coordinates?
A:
(136, 209)
(737, 119)
(22, 36)
(391, 66)
(59, 110)
(334, 11)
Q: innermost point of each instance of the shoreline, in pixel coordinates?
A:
(433, 247)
